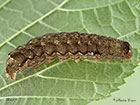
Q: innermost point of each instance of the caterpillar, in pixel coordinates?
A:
(65, 45)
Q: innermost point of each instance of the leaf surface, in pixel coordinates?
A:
(66, 83)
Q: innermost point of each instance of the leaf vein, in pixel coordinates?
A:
(75, 10)
(28, 26)
(5, 3)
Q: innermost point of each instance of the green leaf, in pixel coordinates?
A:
(66, 83)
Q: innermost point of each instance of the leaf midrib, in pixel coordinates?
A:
(23, 29)
(36, 74)
(5, 3)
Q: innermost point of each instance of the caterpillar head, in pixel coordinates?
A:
(126, 52)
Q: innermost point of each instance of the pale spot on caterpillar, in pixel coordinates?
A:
(92, 53)
(79, 42)
(68, 42)
(89, 43)
(42, 43)
(56, 42)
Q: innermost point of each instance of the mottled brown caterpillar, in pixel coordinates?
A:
(65, 45)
